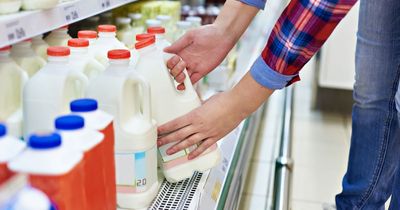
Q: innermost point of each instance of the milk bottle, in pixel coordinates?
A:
(48, 93)
(194, 20)
(101, 121)
(53, 169)
(137, 23)
(10, 147)
(80, 59)
(126, 96)
(153, 23)
(134, 52)
(181, 28)
(38, 4)
(58, 37)
(40, 46)
(89, 142)
(125, 33)
(166, 22)
(12, 81)
(106, 42)
(9, 6)
(91, 36)
(161, 42)
(168, 106)
(26, 58)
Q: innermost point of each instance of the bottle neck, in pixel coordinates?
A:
(107, 34)
(119, 62)
(79, 50)
(58, 59)
(147, 49)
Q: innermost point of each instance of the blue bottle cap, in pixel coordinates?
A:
(3, 130)
(44, 141)
(69, 122)
(83, 105)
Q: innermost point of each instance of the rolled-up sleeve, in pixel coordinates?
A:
(299, 33)
(260, 4)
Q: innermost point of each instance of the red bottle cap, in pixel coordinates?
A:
(58, 51)
(6, 48)
(145, 43)
(107, 28)
(156, 30)
(86, 34)
(141, 37)
(78, 43)
(119, 54)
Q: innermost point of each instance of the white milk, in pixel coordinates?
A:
(167, 104)
(40, 46)
(9, 6)
(107, 41)
(26, 57)
(58, 37)
(38, 4)
(125, 33)
(10, 147)
(91, 36)
(134, 52)
(81, 60)
(12, 81)
(123, 94)
(48, 93)
(161, 41)
(181, 28)
(53, 169)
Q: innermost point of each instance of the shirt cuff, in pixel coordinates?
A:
(267, 77)
(260, 4)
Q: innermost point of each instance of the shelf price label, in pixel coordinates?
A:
(105, 4)
(15, 31)
(71, 13)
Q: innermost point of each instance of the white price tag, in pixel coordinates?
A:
(71, 13)
(105, 4)
(15, 31)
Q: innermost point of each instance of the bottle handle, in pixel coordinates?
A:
(188, 84)
(81, 79)
(145, 100)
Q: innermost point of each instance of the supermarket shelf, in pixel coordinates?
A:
(27, 24)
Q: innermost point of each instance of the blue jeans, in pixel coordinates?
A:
(373, 173)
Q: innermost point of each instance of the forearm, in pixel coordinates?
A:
(234, 18)
(248, 95)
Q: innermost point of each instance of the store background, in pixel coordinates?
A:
(321, 113)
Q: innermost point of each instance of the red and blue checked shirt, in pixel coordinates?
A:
(299, 33)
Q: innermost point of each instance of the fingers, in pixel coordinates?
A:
(186, 143)
(180, 44)
(171, 63)
(181, 87)
(174, 125)
(178, 135)
(195, 77)
(177, 71)
(201, 148)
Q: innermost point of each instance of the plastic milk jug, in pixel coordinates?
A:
(195, 21)
(134, 52)
(26, 58)
(40, 46)
(58, 37)
(9, 6)
(167, 22)
(153, 23)
(107, 41)
(125, 32)
(181, 28)
(123, 94)
(167, 104)
(137, 23)
(101, 121)
(53, 169)
(10, 147)
(89, 142)
(48, 93)
(91, 36)
(161, 42)
(12, 81)
(80, 59)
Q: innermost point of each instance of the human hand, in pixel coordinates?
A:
(205, 125)
(199, 51)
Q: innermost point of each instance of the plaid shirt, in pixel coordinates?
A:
(301, 30)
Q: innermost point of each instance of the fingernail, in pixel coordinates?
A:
(159, 143)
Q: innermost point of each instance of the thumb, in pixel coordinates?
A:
(180, 44)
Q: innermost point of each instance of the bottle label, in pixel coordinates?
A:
(136, 171)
